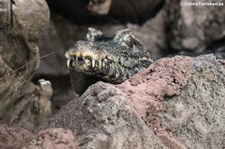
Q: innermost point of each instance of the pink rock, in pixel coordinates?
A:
(164, 78)
(54, 138)
(14, 137)
(147, 90)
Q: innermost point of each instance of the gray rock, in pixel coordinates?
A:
(102, 119)
(197, 115)
(194, 27)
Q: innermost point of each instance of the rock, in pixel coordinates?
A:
(180, 99)
(134, 11)
(149, 89)
(99, 7)
(196, 116)
(22, 102)
(53, 139)
(193, 27)
(102, 119)
(14, 137)
(164, 78)
(95, 12)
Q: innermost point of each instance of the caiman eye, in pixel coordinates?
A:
(126, 38)
(129, 40)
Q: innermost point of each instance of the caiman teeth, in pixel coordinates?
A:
(104, 61)
(86, 60)
(68, 63)
(93, 62)
(99, 64)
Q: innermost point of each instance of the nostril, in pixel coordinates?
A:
(80, 59)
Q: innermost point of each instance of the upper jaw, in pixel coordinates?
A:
(78, 63)
(85, 60)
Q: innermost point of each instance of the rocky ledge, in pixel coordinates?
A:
(176, 103)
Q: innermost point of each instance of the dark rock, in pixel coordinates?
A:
(99, 7)
(80, 12)
(134, 11)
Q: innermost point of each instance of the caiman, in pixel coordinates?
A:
(110, 59)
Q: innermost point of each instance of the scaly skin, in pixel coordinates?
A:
(109, 59)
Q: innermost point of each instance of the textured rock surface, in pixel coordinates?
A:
(181, 99)
(149, 89)
(196, 116)
(22, 102)
(102, 119)
(162, 79)
(14, 137)
(53, 139)
(194, 27)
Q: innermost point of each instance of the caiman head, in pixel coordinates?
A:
(110, 59)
